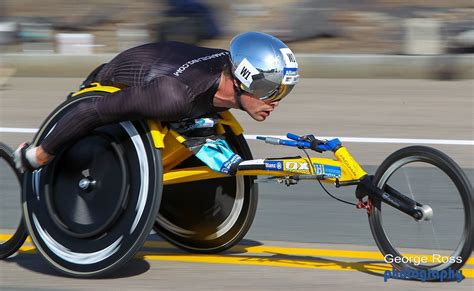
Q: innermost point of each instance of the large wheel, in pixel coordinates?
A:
(11, 222)
(209, 216)
(431, 178)
(91, 209)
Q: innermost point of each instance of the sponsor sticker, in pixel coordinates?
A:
(274, 165)
(296, 166)
(289, 57)
(252, 162)
(290, 76)
(245, 71)
(329, 171)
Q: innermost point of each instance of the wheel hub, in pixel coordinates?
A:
(87, 184)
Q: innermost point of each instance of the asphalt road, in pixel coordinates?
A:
(302, 217)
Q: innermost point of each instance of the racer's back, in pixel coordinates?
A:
(166, 81)
(196, 67)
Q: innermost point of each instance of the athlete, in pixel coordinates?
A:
(172, 81)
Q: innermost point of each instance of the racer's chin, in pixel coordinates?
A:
(262, 115)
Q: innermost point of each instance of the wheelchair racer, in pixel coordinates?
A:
(172, 82)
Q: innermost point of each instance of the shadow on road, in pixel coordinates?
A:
(32, 261)
(248, 252)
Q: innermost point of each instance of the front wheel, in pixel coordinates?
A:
(429, 177)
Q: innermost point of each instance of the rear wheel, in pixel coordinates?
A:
(13, 230)
(92, 208)
(431, 178)
(209, 216)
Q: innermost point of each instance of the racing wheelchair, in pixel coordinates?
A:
(91, 209)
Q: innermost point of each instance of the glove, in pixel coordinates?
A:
(314, 142)
(25, 158)
(218, 156)
(322, 145)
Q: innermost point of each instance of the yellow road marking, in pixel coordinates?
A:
(5, 237)
(303, 251)
(308, 262)
(378, 267)
(313, 258)
(284, 251)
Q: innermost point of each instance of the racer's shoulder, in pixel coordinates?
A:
(169, 81)
(173, 46)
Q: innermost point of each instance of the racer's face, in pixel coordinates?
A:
(256, 108)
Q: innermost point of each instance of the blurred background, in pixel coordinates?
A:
(317, 26)
(343, 47)
(373, 73)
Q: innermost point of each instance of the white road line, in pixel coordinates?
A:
(18, 130)
(343, 139)
(386, 140)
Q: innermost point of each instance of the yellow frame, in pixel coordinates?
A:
(174, 152)
(350, 170)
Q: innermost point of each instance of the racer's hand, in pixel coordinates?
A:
(314, 142)
(218, 156)
(25, 158)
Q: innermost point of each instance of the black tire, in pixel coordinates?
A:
(209, 216)
(91, 209)
(445, 172)
(10, 246)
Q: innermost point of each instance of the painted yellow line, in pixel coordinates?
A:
(308, 263)
(304, 252)
(265, 261)
(27, 249)
(5, 237)
(278, 251)
(322, 264)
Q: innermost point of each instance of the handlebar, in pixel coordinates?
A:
(279, 141)
(302, 142)
(293, 136)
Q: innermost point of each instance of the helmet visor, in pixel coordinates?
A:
(278, 94)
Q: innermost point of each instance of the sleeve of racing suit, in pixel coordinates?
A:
(165, 98)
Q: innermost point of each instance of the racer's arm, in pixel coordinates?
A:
(164, 98)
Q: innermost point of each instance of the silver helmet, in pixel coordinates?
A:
(263, 65)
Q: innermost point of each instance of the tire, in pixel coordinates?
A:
(209, 216)
(18, 237)
(438, 172)
(91, 209)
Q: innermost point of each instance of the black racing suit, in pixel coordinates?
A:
(166, 81)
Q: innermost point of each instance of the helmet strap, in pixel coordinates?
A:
(238, 97)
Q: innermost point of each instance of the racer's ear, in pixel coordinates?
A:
(238, 84)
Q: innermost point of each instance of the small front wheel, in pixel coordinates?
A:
(431, 178)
